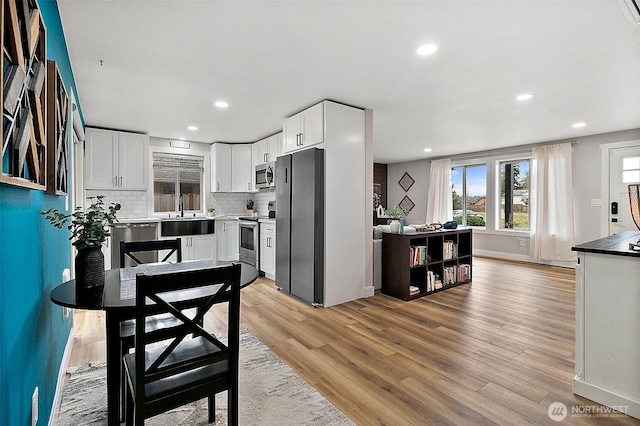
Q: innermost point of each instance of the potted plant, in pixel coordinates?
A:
(211, 211)
(89, 229)
(396, 213)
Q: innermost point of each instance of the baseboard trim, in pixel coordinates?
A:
(521, 258)
(57, 398)
(369, 291)
(605, 397)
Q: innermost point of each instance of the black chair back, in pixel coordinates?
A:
(128, 248)
(195, 364)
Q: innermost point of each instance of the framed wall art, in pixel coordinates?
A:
(406, 181)
(24, 106)
(406, 204)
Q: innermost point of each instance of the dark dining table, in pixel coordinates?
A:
(118, 299)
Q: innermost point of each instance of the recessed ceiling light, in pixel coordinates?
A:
(192, 128)
(578, 125)
(427, 49)
(428, 150)
(524, 97)
(221, 104)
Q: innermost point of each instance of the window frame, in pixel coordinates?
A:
(492, 160)
(464, 167)
(498, 194)
(203, 161)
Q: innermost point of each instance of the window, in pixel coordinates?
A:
(514, 195)
(177, 174)
(631, 170)
(469, 192)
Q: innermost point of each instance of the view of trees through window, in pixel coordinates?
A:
(469, 192)
(514, 195)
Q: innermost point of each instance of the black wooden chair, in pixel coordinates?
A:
(128, 249)
(195, 364)
(159, 326)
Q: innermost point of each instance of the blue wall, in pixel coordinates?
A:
(33, 255)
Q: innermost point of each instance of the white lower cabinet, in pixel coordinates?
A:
(227, 239)
(268, 249)
(197, 247)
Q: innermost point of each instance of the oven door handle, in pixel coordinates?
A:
(248, 224)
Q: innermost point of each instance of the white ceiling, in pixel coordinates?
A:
(158, 66)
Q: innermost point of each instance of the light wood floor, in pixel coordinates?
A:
(497, 351)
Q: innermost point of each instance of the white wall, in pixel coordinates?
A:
(586, 186)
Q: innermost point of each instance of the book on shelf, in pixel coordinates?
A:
(417, 255)
(464, 272)
(449, 250)
(430, 280)
(449, 274)
(413, 290)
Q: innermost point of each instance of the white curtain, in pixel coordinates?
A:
(552, 232)
(439, 201)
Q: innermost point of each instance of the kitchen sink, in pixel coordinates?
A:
(178, 226)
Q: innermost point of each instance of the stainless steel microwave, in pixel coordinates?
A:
(265, 175)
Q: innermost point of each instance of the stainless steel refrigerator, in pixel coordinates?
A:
(299, 190)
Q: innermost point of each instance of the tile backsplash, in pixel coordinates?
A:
(236, 203)
(135, 203)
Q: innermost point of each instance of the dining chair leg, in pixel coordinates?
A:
(123, 388)
(129, 406)
(212, 408)
(232, 404)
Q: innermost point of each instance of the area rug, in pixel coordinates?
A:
(270, 393)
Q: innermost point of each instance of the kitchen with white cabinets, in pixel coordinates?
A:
(227, 186)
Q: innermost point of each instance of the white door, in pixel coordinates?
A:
(624, 169)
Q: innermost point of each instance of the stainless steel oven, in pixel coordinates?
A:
(249, 241)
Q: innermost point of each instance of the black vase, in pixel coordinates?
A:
(89, 270)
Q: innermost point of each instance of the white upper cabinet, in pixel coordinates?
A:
(116, 160)
(220, 167)
(304, 129)
(274, 144)
(241, 168)
(231, 168)
(268, 149)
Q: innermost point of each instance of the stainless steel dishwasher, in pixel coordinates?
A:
(137, 231)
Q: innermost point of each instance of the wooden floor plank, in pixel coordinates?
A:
(497, 351)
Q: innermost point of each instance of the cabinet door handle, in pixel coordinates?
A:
(301, 139)
(120, 181)
(264, 157)
(217, 186)
(249, 186)
(115, 181)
